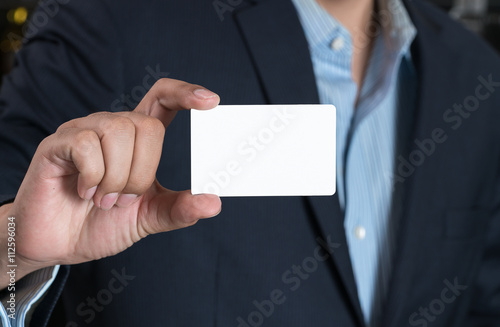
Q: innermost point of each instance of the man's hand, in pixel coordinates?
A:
(91, 191)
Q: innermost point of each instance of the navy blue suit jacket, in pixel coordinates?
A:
(268, 261)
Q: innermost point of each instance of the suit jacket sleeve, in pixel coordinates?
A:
(70, 65)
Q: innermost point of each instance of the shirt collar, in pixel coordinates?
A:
(399, 28)
(394, 22)
(318, 24)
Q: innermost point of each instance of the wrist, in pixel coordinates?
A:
(4, 240)
(13, 267)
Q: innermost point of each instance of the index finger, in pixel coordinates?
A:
(168, 96)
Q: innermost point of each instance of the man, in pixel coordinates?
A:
(411, 238)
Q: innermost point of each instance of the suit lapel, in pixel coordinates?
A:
(330, 220)
(412, 125)
(277, 44)
(279, 49)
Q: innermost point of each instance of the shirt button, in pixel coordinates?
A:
(337, 44)
(360, 232)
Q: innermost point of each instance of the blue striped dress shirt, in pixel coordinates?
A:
(28, 291)
(366, 137)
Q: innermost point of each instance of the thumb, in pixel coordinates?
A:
(169, 210)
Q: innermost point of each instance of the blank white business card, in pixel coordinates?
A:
(263, 150)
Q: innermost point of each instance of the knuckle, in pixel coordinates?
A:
(65, 126)
(99, 114)
(47, 142)
(73, 123)
(162, 82)
(151, 127)
(85, 142)
(119, 125)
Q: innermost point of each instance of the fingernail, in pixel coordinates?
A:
(108, 201)
(90, 193)
(126, 199)
(201, 203)
(216, 214)
(204, 94)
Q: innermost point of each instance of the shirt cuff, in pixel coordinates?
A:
(27, 291)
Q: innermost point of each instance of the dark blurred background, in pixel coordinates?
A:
(481, 16)
(13, 15)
